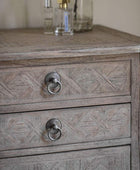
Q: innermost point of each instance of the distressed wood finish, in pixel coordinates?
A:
(62, 148)
(64, 104)
(100, 159)
(31, 44)
(135, 152)
(79, 81)
(27, 130)
(98, 105)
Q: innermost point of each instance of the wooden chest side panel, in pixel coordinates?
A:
(27, 130)
(79, 81)
(100, 159)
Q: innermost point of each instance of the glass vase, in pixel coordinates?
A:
(63, 21)
(48, 17)
(83, 15)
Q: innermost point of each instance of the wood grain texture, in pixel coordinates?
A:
(88, 124)
(63, 148)
(97, 68)
(100, 159)
(64, 104)
(63, 60)
(15, 43)
(135, 90)
(139, 111)
(79, 81)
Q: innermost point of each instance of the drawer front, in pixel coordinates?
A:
(27, 130)
(100, 159)
(79, 81)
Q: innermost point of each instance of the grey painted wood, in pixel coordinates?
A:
(26, 130)
(100, 159)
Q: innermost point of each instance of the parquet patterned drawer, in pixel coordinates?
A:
(87, 124)
(79, 81)
(117, 158)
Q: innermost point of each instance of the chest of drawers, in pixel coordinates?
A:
(69, 103)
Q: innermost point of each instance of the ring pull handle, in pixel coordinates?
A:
(53, 127)
(52, 81)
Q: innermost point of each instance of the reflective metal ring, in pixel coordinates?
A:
(54, 85)
(57, 135)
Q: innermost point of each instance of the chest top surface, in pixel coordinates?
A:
(32, 43)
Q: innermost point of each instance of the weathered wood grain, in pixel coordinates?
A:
(63, 148)
(100, 159)
(139, 110)
(49, 61)
(87, 124)
(65, 54)
(79, 81)
(64, 104)
(97, 68)
(100, 41)
(135, 90)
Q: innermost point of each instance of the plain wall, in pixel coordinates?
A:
(21, 13)
(119, 14)
(123, 15)
(12, 13)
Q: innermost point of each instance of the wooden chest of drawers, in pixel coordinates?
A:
(69, 103)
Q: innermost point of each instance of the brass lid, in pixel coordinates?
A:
(63, 3)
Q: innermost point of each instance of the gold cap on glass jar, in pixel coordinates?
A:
(63, 3)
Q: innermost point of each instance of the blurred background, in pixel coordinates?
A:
(123, 15)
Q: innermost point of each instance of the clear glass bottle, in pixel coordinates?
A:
(48, 17)
(83, 15)
(63, 18)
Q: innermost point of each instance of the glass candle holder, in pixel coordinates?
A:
(63, 21)
(48, 17)
(63, 18)
(83, 15)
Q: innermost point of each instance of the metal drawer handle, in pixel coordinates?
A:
(52, 81)
(53, 127)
